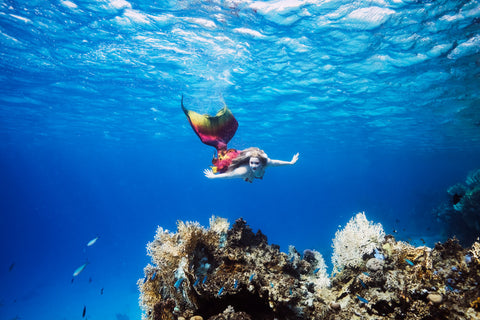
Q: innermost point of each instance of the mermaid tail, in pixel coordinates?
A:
(215, 131)
(223, 160)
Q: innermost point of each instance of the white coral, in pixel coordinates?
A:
(321, 279)
(219, 225)
(359, 237)
(163, 246)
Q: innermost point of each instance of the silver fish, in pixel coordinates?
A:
(92, 242)
(79, 269)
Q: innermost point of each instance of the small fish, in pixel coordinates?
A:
(204, 280)
(290, 291)
(362, 283)
(251, 277)
(178, 283)
(196, 282)
(101, 291)
(84, 311)
(79, 269)
(409, 262)
(11, 266)
(90, 280)
(235, 284)
(92, 242)
(362, 299)
(271, 284)
(220, 291)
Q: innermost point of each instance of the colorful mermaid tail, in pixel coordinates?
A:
(215, 131)
(223, 160)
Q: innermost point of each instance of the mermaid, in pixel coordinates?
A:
(217, 131)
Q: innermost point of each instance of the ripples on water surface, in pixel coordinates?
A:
(396, 72)
(93, 140)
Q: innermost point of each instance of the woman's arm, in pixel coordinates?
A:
(239, 172)
(276, 163)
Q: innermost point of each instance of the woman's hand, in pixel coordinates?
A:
(209, 173)
(295, 158)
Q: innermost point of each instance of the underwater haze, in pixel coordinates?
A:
(379, 97)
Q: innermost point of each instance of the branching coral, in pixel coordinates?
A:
(221, 273)
(206, 270)
(319, 276)
(475, 252)
(175, 255)
(359, 237)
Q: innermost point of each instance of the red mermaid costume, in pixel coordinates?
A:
(215, 131)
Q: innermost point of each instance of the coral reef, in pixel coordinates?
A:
(200, 271)
(411, 283)
(233, 273)
(358, 238)
(461, 213)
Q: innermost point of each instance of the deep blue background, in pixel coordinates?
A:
(59, 195)
(379, 98)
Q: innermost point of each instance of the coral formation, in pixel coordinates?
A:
(413, 283)
(461, 213)
(233, 273)
(358, 238)
(210, 272)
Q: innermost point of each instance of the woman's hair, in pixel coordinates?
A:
(245, 155)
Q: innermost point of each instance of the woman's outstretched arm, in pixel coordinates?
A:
(276, 163)
(239, 172)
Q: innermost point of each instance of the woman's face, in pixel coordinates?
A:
(255, 163)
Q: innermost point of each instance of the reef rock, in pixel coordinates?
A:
(234, 274)
(461, 213)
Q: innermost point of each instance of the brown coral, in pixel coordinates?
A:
(204, 276)
(163, 310)
(236, 275)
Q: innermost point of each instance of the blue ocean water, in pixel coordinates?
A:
(380, 98)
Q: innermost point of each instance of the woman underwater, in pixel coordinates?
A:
(216, 131)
